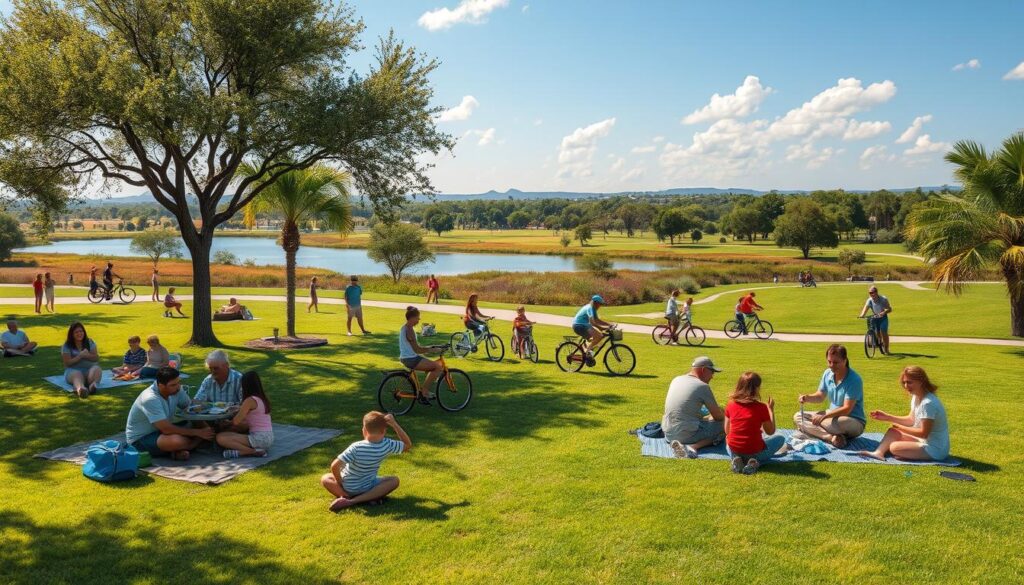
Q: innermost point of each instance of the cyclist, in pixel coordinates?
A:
(474, 320)
(587, 325)
(520, 328)
(409, 350)
(93, 285)
(108, 279)
(880, 307)
(672, 312)
(745, 309)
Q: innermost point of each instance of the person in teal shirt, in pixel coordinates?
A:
(354, 304)
(586, 324)
(844, 389)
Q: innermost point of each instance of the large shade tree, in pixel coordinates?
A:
(982, 226)
(173, 96)
(318, 194)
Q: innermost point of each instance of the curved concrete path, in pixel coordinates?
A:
(561, 321)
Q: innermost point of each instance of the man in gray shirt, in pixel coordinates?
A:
(685, 426)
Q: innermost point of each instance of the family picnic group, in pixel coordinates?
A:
(693, 419)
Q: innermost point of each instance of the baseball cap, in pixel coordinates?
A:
(597, 299)
(704, 362)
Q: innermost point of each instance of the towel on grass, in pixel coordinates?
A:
(866, 442)
(107, 381)
(207, 465)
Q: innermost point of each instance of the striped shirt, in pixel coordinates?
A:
(135, 358)
(362, 460)
(230, 392)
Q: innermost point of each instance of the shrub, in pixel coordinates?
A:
(224, 257)
(688, 285)
(885, 236)
(597, 264)
(249, 262)
(722, 240)
(565, 241)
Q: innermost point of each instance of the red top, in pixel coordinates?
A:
(37, 285)
(519, 322)
(747, 305)
(431, 283)
(745, 420)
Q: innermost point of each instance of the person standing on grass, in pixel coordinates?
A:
(745, 417)
(93, 284)
(254, 416)
(314, 303)
(921, 435)
(15, 341)
(149, 428)
(432, 288)
(354, 304)
(880, 307)
(353, 478)
(684, 423)
(49, 288)
(37, 289)
(155, 279)
(844, 419)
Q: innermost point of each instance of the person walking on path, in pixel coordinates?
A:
(48, 289)
(155, 279)
(354, 304)
(314, 303)
(37, 289)
(432, 288)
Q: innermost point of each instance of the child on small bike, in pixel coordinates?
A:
(353, 478)
(522, 329)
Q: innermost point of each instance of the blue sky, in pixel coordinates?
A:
(610, 96)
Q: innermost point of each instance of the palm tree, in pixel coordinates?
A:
(318, 194)
(981, 226)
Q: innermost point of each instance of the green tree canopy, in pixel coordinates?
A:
(156, 244)
(805, 225)
(11, 236)
(440, 222)
(399, 246)
(583, 233)
(848, 258)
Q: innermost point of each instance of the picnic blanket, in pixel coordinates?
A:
(107, 381)
(866, 442)
(207, 465)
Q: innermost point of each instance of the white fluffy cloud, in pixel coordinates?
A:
(485, 137)
(972, 64)
(815, 158)
(618, 165)
(576, 152)
(914, 130)
(924, 145)
(633, 174)
(745, 101)
(460, 112)
(874, 155)
(857, 130)
(643, 149)
(468, 11)
(1015, 73)
(842, 100)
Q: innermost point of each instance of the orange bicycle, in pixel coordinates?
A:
(398, 390)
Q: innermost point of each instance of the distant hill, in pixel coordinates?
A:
(517, 194)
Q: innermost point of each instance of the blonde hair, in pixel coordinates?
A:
(374, 422)
(918, 374)
(153, 339)
(520, 309)
(748, 388)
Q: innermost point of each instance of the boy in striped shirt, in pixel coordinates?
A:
(353, 478)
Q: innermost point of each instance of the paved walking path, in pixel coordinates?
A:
(561, 321)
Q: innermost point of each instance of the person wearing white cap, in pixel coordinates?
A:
(586, 323)
(684, 424)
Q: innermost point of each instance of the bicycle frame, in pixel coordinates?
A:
(416, 380)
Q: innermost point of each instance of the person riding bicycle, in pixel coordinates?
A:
(474, 320)
(672, 312)
(587, 325)
(409, 350)
(746, 309)
(93, 285)
(108, 280)
(880, 307)
(520, 329)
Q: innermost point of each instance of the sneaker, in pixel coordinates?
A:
(683, 451)
(751, 467)
(366, 332)
(737, 464)
(349, 334)
(231, 454)
(340, 504)
(424, 400)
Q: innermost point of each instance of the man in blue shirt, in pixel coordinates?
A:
(586, 323)
(845, 419)
(354, 304)
(149, 427)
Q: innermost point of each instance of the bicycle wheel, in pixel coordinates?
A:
(127, 294)
(95, 296)
(763, 329)
(454, 391)
(733, 329)
(495, 348)
(531, 348)
(460, 344)
(695, 335)
(662, 334)
(396, 393)
(619, 359)
(869, 344)
(569, 356)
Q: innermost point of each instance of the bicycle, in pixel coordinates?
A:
(524, 346)
(872, 339)
(693, 335)
(810, 283)
(399, 390)
(619, 358)
(101, 293)
(762, 329)
(463, 342)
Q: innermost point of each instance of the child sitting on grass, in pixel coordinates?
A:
(254, 418)
(353, 477)
(745, 417)
(520, 328)
(134, 359)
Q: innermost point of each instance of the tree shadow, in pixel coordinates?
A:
(101, 549)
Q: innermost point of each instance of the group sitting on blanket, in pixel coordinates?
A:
(231, 311)
(693, 419)
(154, 423)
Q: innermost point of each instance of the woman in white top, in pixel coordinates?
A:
(672, 311)
(922, 435)
(409, 351)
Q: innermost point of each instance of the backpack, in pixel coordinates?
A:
(110, 461)
(652, 430)
(246, 315)
(428, 330)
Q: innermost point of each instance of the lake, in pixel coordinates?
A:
(266, 251)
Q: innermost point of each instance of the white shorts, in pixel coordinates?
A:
(355, 311)
(261, 440)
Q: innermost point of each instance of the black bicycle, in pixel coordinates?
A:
(619, 358)
(101, 293)
(761, 328)
(873, 337)
(399, 390)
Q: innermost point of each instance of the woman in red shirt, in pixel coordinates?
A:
(745, 417)
(432, 286)
(37, 288)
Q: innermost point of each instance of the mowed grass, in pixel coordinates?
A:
(536, 482)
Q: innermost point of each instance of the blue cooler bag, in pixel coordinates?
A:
(109, 461)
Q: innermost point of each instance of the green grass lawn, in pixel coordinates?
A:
(536, 482)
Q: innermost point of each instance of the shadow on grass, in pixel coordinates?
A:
(801, 468)
(405, 507)
(975, 465)
(903, 356)
(103, 549)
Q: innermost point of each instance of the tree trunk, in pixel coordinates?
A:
(290, 242)
(807, 253)
(202, 313)
(1016, 288)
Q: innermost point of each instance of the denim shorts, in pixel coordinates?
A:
(882, 324)
(411, 362)
(351, 494)
(148, 443)
(581, 330)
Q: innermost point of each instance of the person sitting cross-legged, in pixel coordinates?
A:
(684, 424)
(149, 428)
(15, 341)
(353, 478)
(844, 420)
